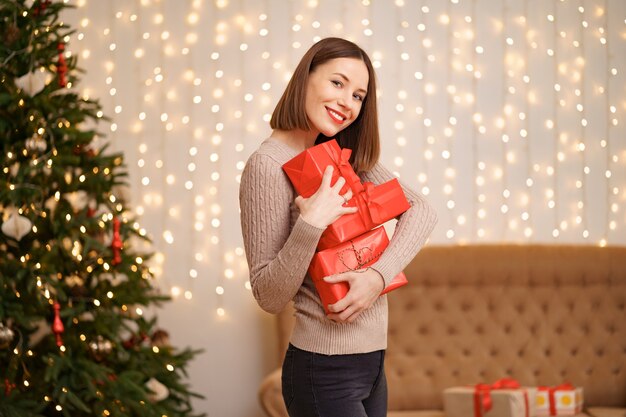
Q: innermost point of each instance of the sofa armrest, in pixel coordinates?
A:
(271, 396)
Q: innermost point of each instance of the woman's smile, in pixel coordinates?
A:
(336, 116)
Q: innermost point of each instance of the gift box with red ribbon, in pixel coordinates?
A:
(305, 170)
(503, 398)
(352, 255)
(560, 400)
(376, 205)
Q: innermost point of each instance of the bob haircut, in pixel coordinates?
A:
(362, 135)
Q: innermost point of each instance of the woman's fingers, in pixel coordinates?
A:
(347, 196)
(326, 178)
(339, 184)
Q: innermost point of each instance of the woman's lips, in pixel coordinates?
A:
(336, 116)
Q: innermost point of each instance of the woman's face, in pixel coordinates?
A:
(335, 94)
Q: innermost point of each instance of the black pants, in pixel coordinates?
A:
(316, 385)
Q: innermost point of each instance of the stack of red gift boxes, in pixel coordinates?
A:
(354, 241)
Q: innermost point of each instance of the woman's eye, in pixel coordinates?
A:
(358, 97)
(336, 83)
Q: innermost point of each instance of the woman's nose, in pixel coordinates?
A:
(343, 101)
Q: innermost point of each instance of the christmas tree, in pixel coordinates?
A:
(75, 339)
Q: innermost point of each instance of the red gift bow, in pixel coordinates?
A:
(304, 169)
(374, 209)
(360, 256)
(341, 157)
(482, 394)
(551, 390)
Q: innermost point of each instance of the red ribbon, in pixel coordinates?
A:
(375, 210)
(116, 244)
(57, 324)
(482, 394)
(551, 390)
(341, 157)
(62, 66)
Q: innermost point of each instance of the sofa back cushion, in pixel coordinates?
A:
(541, 314)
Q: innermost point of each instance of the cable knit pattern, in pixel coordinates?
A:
(279, 247)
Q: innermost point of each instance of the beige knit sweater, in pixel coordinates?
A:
(279, 246)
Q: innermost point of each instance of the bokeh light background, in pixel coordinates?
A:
(507, 114)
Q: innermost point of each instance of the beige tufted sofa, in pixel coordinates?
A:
(476, 313)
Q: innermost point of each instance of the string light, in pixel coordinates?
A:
(191, 100)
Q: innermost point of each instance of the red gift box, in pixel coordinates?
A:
(357, 253)
(307, 168)
(376, 204)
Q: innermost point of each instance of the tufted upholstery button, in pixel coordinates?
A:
(574, 352)
(615, 371)
(507, 328)
(570, 306)
(547, 352)
(455, 373)
(479, 329)
(465, 307)
(600, 352)
(438, 306)
(482, 374)
(558, 329)
(520, 308)
(466, 352)
(452, 330)
(536, 373)
(585, 328)
(429, 373)
(589, 371)
(520, 353)
(509, 372)
(610, 328)
(423, 330)
(493, 352)
(544, 308)
(563, 373)
(439, 353)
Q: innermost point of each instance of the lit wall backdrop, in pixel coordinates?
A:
(507, 114)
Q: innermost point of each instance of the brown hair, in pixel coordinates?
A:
(362, 135)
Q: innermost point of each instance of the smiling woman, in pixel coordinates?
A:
(333, 101)
(337, 63)
(335, 363)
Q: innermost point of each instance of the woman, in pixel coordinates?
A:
(334, 363)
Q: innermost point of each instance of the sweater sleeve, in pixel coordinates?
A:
(278, 257)
(411, 231)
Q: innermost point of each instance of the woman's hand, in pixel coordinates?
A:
(365, 288)
(326, 205)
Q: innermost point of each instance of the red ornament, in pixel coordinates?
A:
(57, 324)
(116, 244)
(8, 386)
(62, 66)
(134, 340)
(40, 7)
